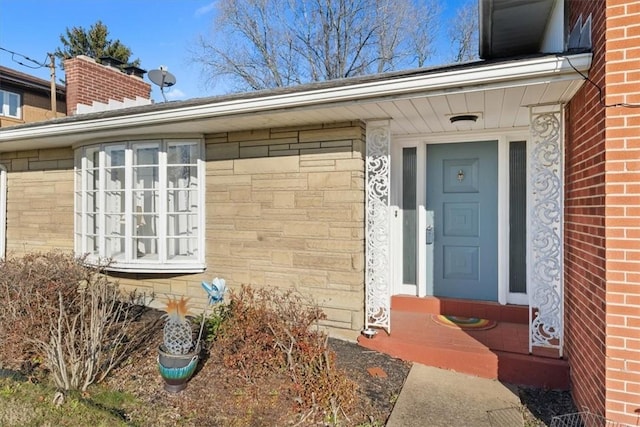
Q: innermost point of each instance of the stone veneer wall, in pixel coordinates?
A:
(39, 200)
(284, 208)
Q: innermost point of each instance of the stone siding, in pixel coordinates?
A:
(39, 200)
(284, 209)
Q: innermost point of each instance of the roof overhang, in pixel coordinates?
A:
(519, 27)
(361, 100)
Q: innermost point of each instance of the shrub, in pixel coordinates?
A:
(68, 316)
(30, 286)
(263, 331)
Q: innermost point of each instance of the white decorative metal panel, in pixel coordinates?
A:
(545, 228)
(377, 275)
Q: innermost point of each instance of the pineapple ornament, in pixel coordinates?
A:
(178, 355)
(178, 336)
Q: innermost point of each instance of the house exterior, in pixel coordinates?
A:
(512, 180)
(601, 208)
(26, 99)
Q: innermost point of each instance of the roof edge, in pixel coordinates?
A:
(557, 66)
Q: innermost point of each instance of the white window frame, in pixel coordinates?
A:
(129, 261)
(4, 104)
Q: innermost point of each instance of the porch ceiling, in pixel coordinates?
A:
(415, 105)
(418, 115)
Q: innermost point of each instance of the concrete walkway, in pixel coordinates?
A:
(438, 398)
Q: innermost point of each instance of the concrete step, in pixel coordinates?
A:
(499, 353)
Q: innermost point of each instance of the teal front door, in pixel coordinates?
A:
(462, 226)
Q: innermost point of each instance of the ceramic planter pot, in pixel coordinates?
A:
(176, 369)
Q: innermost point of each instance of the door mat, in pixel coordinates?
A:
(465, 323)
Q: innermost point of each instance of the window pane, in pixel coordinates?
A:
(92, 201)
(114, 202)
(182, 248)
(115, 156)
(182, 225)
(78, 223)
(145, 177)
(182, 201)
(115, 248)
(182, 176)
(92, 244)
(182, 153)
(92, 224)
(114, 225)
(93, 157)
(518, 217)
(145, 202)
(14, 104)
(145, 220)
(115, 179)
(145, 225)
(146, 248)
(145, 154)
(92, 180)
(409, 217)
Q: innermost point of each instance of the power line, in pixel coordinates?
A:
(600, 94)
(16, 54)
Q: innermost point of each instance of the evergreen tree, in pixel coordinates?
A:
(93, 43)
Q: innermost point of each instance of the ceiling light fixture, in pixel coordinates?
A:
(464, 118)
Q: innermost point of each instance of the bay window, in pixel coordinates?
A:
(141, 205)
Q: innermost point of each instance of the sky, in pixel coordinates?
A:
(158, 32)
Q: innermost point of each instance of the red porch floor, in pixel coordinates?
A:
(500, 353)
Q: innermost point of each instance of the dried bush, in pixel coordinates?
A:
(263, 331)
(77, 322)
(30, 286)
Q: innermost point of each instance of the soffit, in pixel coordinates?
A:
(512, 27)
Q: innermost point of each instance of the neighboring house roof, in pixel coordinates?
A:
(17, 78)
(517, 27)
(418, 101)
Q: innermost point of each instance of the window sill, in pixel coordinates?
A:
(157, 268)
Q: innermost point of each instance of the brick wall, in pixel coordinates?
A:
(623, 211)
(585, 276)
(602, 211)
(39, 200)
(88, 81)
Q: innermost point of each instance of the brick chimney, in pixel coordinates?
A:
(101, 86)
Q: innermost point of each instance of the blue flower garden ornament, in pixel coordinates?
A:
(215, 290)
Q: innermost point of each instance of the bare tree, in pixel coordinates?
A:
(463, 32)
(421, 29)
(259, 44)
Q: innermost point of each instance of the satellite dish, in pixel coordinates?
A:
(162, 78)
